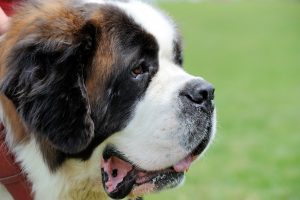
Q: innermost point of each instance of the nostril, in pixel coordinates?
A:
(197, 100)
(204, 94)
(197, 95)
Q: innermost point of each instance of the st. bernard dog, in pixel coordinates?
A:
(95, 101)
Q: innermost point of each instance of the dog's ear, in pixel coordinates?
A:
(45, 79)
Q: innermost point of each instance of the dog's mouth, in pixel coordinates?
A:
(120, 177)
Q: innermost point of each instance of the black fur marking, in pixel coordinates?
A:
(114, 108)
(45, 81)
(178, 57)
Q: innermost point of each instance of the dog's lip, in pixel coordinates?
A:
(147, 182)
(144, 176)
(129, 178)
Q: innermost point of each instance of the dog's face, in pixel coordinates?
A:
(87, 73)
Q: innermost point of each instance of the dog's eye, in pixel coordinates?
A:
(137, 71)
(141, 69)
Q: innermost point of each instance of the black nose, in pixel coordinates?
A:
(199, 91)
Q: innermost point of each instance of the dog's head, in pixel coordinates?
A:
(87, 73)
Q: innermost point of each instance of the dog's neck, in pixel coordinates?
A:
(11, 175)
(12, 123)
(74, 180)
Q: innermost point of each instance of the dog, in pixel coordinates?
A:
(95, 101)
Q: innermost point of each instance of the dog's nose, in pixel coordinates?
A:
(199, 91)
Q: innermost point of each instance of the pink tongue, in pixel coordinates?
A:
(116, 170)
(184, 164)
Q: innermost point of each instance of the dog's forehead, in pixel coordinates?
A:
(152, 21)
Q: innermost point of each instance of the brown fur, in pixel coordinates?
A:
(12, 118)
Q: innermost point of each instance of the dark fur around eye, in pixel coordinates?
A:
(177, 49)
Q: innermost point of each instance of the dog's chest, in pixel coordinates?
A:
(76, 180)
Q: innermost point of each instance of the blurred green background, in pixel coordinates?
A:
(250, 51)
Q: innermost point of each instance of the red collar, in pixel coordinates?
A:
(8, 6)
(11, 175)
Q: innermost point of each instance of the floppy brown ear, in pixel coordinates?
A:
(46, 81)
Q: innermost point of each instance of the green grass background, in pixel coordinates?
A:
(250, 51)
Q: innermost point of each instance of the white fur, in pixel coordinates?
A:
(155, 23)
(151, 140)
(4, 194)
(45, 184)
(30, 157)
